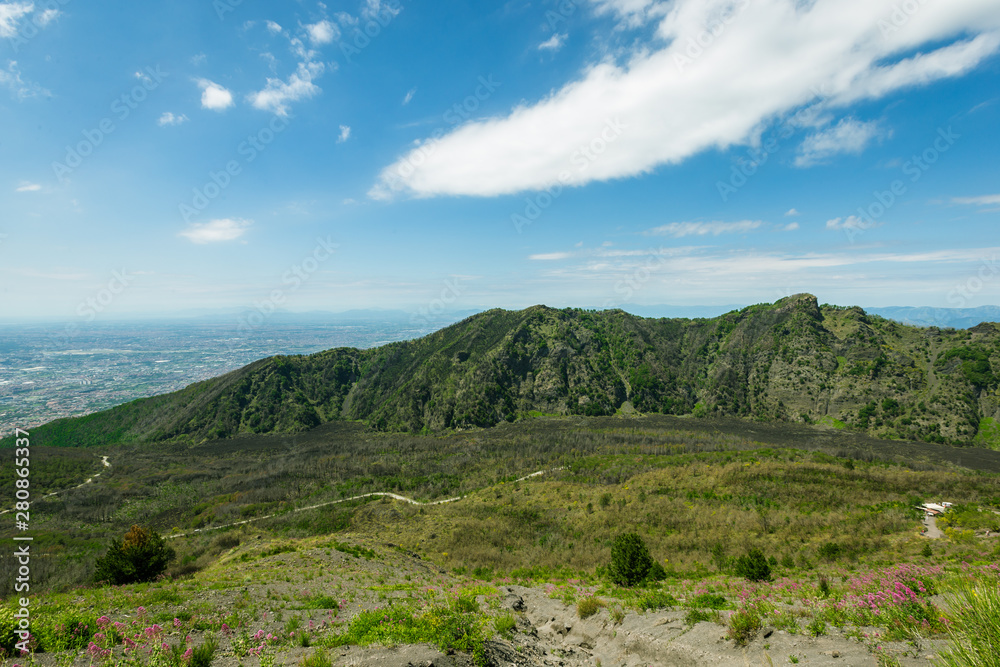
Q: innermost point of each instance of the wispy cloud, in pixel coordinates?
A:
(10, 16)
(553, 43)
(167, 118)
(847, 136)
(773, 58)
(791, 212)
(850, 222)
(273, 27)
(19, 88)
(549, 256)
(277, 94)
(25, 186)
(681, 229)
(47, 16)
(984, 200)
(409, 96)
(345, 133)
(214, 96)
(215, 231)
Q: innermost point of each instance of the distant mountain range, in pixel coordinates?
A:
(790, 361)
(925, 316)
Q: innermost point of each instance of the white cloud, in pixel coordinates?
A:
(791, 227)
(323, 32)
(374, 9)
(553, 43)
(681, 229)
(47, 17)
(225, 229)
(772, 59)
(850, 222)
(10, 15)
(19, 88)
(409, 96)
(170, 119)
(214, 96)
(549, 256)
(345, 133)
(25, 186)
(273, 27)
(847, 136)
(985, 200)
(790, 212)
(631, 12)
(276, 95)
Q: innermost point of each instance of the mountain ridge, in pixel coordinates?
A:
(793, 360)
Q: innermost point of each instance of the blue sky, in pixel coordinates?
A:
(168, 157)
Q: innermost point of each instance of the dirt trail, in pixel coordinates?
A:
(386, 494)
(933, 532)
(89, 480)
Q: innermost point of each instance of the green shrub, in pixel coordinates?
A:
(699, 615)
(630, 560)
(708, 601)
(816, 627)
(587, 607)
(140, 556)
(8, 628)
(505, 624)
(975, 627)
(202, 655)
(656, 573)
(744, 626)
(655, 600)
(753, 565)
(319, 658)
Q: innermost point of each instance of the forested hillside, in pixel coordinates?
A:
(790, 361)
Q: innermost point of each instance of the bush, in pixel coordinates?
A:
(656, 573)
(587, 607)
(8, 630)
(708, 601)
(655, 600)
(140, 556)
(700, 615)
(743, 627)
(753, 566)
(975, 627)
(630, 560)
(505, 624)
(202, 655)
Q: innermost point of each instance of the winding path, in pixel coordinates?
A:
(394, 496)
(89, 480)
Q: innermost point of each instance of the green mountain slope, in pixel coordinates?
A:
(792, 360)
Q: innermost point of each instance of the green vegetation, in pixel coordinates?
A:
(787, 361)
(753, 565)
(630, 560)
(587, 607)
(744, 626)
(140, 556)
(975, 627)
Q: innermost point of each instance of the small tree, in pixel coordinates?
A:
(141, 555)
(753, 566)
(630, 560)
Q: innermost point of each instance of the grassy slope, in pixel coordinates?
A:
(789, 361)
